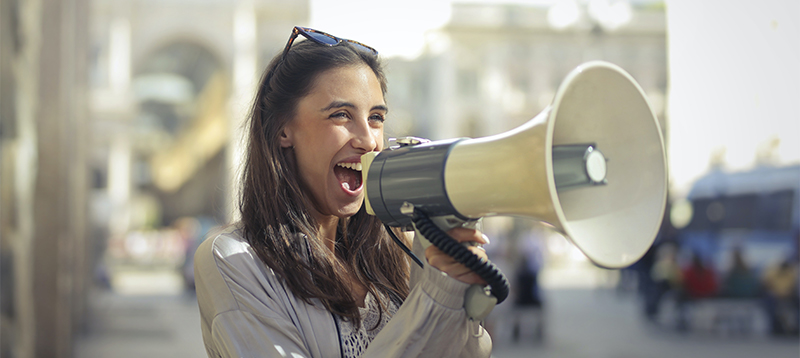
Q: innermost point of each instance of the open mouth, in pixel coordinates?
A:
(349, 175)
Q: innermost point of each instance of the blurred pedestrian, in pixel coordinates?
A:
(740, 284)
(740, 281)
(528, 300)
(189, 230)
(781, 297)
(698, 281)
(666, 276)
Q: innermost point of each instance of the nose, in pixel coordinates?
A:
(365, 137)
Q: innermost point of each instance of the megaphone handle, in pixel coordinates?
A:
(479, 301)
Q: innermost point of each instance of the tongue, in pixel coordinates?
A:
(348, 178)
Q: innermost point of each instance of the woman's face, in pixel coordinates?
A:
(338, 121)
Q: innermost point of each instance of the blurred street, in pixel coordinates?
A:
(597, 323)
(600, 323)
(142, 326)
(147, 315)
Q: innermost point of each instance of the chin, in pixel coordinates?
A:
(350, 210)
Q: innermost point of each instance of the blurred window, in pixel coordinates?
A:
(739, 211)
(775, 211)
(771, 211)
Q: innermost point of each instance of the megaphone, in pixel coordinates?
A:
(591, 165)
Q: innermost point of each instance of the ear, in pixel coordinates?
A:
(286, 138)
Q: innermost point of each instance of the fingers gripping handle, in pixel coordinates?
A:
(479, 300)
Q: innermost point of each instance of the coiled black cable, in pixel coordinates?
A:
(484, 268)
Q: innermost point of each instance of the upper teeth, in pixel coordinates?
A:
(354, 166)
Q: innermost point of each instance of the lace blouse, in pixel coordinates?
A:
(355, 341)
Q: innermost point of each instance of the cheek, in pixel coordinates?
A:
(311, 163)
(316, 159)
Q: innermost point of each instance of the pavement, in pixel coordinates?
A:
(606, 324)
(577, 323)
(151, 326)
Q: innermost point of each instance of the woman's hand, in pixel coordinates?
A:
(450, 266)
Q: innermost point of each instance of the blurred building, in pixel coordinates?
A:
(495, 66)
(169, 81)
(116, 116)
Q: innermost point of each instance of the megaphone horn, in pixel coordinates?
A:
(592, 165)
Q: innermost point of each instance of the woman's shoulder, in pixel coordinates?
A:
(226, 252)
(224, 241)
(227, 246)
(227, 271)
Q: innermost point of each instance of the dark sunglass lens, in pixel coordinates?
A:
(361, 47)
(322, 38)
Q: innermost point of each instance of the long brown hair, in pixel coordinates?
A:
(276, 221)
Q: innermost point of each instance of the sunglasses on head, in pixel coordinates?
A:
(323, 38)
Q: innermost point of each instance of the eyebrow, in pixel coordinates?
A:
(340, 104)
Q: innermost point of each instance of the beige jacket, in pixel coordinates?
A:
(247, 312)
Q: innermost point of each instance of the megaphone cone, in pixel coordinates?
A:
(592, 165)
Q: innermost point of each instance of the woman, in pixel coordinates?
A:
(306, 272)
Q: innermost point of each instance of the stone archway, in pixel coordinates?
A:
(181, 132)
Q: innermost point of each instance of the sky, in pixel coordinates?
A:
(395, 28)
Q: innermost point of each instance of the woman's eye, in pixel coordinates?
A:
(377, 118)
(339, 116)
